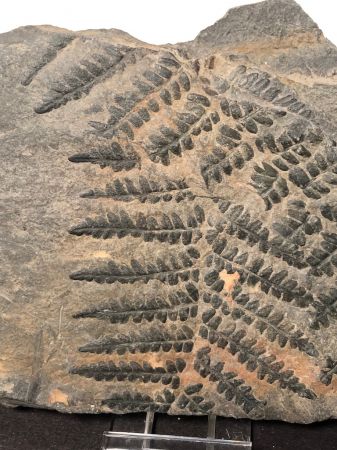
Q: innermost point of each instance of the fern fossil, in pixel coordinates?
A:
(298, 223)
(166, 228)
(263, 86)
(155, 339)
(328, 371)
(180, 305)
(329, 211)
(133, 371)
(83, 77)
(180, 267)
(269, 184)
(325, 309)
(224, 161)
(137, 402)
(312, 171)
(254, 357)
(57, 43)
(248, 310)
(323, 260)
(252, 271)
(239, 221)
(228, 384)
(145, 190)
(194, 400)
(126, 115)
(269, 322)
(113, 156)
(236, 220)
(168, 320)
(188, 124)
(292, 233)
(319, 174)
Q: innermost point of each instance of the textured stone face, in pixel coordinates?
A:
(168, 219)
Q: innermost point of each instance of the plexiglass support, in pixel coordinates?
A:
(114, 440)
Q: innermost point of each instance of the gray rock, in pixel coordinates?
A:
(250, 23)
(168, 219)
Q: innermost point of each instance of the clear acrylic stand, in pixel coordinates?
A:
(114, 440)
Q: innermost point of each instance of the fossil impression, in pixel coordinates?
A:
(168, 233)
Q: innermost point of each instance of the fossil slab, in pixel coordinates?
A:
(168, 219)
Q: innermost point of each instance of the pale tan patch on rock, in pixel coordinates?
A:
(101, 254)
(230, 280)
(57, 396)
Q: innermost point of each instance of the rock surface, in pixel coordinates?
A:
(168, 219)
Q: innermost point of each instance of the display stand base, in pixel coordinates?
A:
(114, 440)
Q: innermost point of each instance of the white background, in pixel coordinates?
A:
(153, 21)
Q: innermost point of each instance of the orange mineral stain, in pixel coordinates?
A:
(230, 280)
(57, 396)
